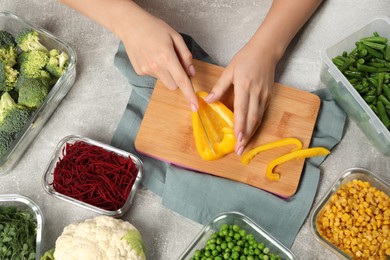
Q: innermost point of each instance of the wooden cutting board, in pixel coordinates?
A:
(166, 133)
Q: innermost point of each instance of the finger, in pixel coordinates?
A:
(241, 107)
(183, 82)
(224, 82)
(184, 55)
(167, 79)
(253, 118)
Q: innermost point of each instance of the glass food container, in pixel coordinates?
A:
(14, 24)
(232, 218)
(343, 91)
(58, 154)
(347, 176)
(26, 204)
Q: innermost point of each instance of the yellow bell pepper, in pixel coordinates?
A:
(303, 153)
(218, 122)
(249, 155)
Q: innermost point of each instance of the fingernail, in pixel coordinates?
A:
(239, 137)
(194, 108)
(240, 150)
(191, 69)
(209, 97)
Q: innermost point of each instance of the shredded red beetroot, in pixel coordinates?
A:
(94, 175)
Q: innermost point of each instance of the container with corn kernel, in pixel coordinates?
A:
(353, 218)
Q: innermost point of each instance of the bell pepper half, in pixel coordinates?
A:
(218, 123)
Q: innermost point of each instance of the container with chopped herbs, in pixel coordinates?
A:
(21, 225)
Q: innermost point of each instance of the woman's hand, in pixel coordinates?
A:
(157, 50)
(153, 47)
(251, 72)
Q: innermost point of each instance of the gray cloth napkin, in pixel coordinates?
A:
(200, 196)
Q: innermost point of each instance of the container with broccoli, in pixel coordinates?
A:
(28, 71)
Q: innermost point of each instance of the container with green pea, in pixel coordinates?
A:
(356, 70)
(232, 235)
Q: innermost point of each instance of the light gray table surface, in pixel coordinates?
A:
(96, 101)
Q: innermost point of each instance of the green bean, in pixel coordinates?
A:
(373, 82)
(383, 69)
(383, 114)
(384, 100)
(373, 107)
(338, 61)
(387, 52)
(371, 92)
(376, 64)
(377, 39)
(366, 68)
(373, 52)
(386, 91)
(353, 74)
(374, 45)
(381, 77)
(354, 81)
(369, 99)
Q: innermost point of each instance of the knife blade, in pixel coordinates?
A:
(202, 124)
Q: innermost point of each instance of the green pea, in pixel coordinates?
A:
(236, 228)
(235, 255)
(242, 233)
(261, 246)
(236, 249)
(240, 243)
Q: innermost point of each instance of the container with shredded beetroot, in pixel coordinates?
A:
(93, 175)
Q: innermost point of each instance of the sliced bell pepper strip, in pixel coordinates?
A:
(218, 121)
(303, 153)
(249, 155)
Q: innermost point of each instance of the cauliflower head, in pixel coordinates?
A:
(100, 238)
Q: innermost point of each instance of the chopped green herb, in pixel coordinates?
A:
(18, 231)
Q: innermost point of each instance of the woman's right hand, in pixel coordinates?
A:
(157, 50)
(153, 47)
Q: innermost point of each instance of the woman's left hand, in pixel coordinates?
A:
(251, 72)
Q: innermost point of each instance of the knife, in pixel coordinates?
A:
(202, 124)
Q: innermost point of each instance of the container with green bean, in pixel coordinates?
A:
(367, 68)
(356, 70)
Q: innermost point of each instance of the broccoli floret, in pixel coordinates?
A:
(28, 40)
(6, 39)
(8, 50)
(6, 140)
(32, 64)
(8, 76)
(13, 117)
(58, 62)
(32, 91)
